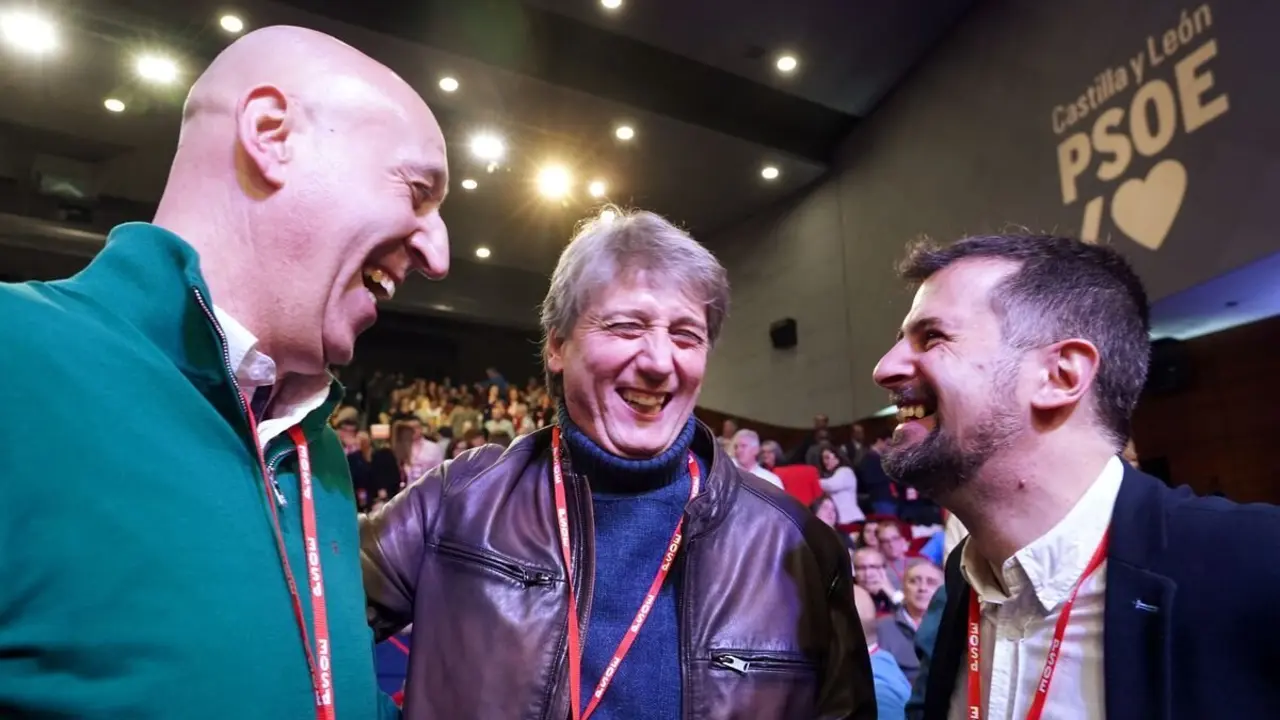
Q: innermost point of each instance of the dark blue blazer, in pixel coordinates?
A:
(1192, 628)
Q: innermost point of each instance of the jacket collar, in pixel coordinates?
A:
(705, 512)
(1137, 636)
(150, 278)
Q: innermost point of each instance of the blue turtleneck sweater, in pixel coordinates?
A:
(636, 504)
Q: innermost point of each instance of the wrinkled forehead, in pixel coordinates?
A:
(645, 292)
(959, 294)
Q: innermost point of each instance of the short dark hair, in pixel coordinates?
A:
(1063, 288)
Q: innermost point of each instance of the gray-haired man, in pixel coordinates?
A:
(618, 562)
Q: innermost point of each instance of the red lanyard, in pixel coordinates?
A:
(1050, 662)
(321, 662)
(575, 640)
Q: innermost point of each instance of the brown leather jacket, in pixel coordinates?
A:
(470, 555)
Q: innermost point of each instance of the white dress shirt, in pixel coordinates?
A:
(1021, 607)
(768, 476)
(254, 369)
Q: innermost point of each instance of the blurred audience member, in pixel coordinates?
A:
(498, 423)
(746, 453)
(875, 482)
(840, 483)
(897, 632)
(771, 455)
(801, 455)
(892, 686)
(893, 546)
(728, 429)
(867, 535)
(869, 572)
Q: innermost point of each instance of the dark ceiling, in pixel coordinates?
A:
(696, 79)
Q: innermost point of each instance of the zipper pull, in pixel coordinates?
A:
(280, 500)
(731, 662)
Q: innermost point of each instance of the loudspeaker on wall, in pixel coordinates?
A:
(782, 333)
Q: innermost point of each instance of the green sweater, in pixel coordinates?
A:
(139, 576)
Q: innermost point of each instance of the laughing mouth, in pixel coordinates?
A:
(644, 401)
(379, 283)
(908, 411)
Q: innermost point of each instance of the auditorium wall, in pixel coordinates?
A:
(1146, 124)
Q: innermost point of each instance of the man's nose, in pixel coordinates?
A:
(896, 367)
(429, 247)
(656, 358)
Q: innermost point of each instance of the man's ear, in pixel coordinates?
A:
(554, 352)
(1067, 374)
(264, 128)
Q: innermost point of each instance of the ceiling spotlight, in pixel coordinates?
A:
(554, 181)
(469, 184)
(113, 105)
(156, 69)
(607, 216)
(448, 84)
(231, 24)
(488, 147)
(597, 188)
(483, 252)
(624, 132)
(29, 32)
(769, 172)
(787, 63)
(611, 4)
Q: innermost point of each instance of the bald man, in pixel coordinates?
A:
(177, 528)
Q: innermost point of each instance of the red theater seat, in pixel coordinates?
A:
(800, 481)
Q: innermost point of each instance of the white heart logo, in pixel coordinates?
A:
(1145, 209)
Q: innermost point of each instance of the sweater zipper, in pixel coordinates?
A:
(231, 373)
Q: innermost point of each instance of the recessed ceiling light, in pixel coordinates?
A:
(787, 63)
(28, 32)
(597, 188)
(113, 105)
(482, 252)
(488, 146)
(469, 184)
(611, 4)
(554, 181)
(769, 172)
(231, 24)
(624, 132)
(607, 216)
(156, 69)
(448, 84)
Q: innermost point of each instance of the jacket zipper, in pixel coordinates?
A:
(742, 663)
(515, 571)
(269, 474)
(272, 466)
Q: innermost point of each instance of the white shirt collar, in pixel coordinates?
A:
(1051, 564)
(253, 368)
